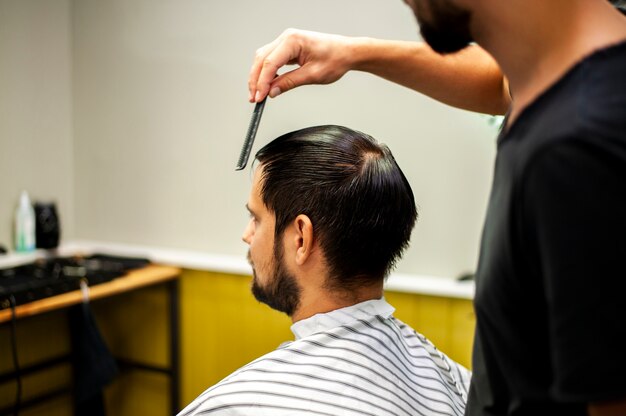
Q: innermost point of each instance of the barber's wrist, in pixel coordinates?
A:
(364, 53)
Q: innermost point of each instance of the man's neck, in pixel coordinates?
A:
(318, 301)
(536, 41)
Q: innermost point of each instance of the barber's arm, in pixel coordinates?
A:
(469, 79)
(616, 408)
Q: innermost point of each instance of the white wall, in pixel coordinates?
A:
(35, 108)
(160, 111)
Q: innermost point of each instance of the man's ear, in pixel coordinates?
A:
(303, 238)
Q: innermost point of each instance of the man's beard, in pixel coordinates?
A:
(446, 28)
(281, 292)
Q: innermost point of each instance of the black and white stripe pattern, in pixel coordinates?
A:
(353, 361)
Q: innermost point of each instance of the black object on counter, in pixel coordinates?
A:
(47, 225)
(465, 277)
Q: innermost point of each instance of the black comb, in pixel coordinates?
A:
(249, 140)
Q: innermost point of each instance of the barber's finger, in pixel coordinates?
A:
(257, 65)
(266, 75)
(279, 57)
(286, 50)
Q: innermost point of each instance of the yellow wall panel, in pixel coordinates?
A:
(135, 326)
(462, 324)
(37, 338)
(223, 328)
(138, 393)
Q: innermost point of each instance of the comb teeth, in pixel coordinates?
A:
(249, 140)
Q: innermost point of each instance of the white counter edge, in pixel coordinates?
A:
(223, 263)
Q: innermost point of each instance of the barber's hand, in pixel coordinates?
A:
(321, 59)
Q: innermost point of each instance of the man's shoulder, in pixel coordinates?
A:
(590, 99)
(254, 389)
(585, 110)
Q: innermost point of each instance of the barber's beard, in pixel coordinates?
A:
(446, 28)
(281, 292)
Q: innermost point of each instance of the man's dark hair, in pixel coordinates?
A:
(359, 201)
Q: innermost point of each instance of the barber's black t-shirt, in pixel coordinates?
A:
(551, 282)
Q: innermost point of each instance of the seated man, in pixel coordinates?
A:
(331, 213)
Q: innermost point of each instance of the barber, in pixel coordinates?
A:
(550, 283)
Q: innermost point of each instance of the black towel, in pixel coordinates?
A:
(93, 365)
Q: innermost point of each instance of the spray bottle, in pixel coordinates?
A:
(24, 225)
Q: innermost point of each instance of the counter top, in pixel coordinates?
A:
(134, 279)
(197, 260)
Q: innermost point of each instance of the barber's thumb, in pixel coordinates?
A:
(285, 82)
(275, 91)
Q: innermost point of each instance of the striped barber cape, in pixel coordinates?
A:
(354, 361)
